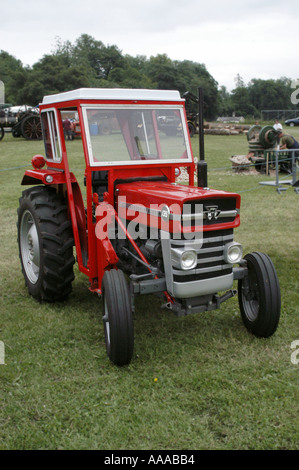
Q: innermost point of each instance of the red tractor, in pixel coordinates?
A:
(135, 230)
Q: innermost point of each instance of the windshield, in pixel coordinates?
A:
(126, 135)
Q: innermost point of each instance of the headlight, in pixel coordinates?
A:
(183, 259)
(233, 252)
(189, 260)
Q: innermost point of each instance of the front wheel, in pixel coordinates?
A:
(117, 317)
(259, 296)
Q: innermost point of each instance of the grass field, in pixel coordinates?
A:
(197, 382)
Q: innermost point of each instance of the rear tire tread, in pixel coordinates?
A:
(55, 243)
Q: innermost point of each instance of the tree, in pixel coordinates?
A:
(185, 76)
(242, 104)
(11, 69)
(239, 81)
(52, 74)
(226, 107)
(99, 59)
(161, 71)
(270, 94)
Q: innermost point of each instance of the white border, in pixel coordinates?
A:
(180, 108)
(118, 94)
(45, 111)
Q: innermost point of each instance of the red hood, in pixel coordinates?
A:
(147, 198)
(149, 192)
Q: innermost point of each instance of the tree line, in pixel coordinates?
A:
(89, 63)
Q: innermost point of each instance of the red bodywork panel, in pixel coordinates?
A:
(148, 192)
(156, 194)
(38, 176)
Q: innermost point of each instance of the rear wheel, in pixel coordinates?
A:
(259, 296)
(31, 128)
(191, 129)
(45, 244)
(117, 317)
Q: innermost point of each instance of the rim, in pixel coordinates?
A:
(106, 321)
(29, 246)
(251, 301)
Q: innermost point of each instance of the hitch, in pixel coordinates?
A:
(198, 304)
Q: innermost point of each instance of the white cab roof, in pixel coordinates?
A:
(116, 94)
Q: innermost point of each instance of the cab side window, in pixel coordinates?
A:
(51, 139)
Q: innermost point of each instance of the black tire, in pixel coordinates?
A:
(16, 133)
(45, 244)
(31, 128)
(1, 133)
(117, 317)
(259, 296)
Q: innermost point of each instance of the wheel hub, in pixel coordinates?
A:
(33, 245)
(29, 244)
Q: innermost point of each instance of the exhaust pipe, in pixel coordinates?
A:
(202, 168)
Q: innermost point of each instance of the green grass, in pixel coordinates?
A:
(217, 386)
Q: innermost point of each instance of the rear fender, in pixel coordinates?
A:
(56, 178)
(45, 176)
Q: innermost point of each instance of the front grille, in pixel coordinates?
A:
(225, 207)
(210, 257)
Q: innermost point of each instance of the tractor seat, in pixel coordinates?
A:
(100, 183)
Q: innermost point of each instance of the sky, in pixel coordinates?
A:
(253, 38)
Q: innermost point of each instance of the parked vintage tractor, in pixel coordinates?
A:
(138, 231)
(24, 123)
(262, 145)
(192, 123)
